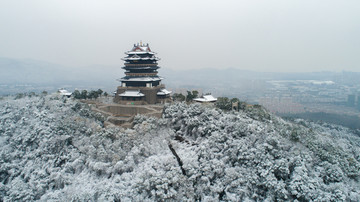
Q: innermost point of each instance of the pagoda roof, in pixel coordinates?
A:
(141, 78)
(131, 93)
(140, 48)
(163, 92)
(136, 57)
(139, 52)
(145, 67)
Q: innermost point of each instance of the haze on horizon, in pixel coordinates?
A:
(263, 35)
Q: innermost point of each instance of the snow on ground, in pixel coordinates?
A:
(56, 149)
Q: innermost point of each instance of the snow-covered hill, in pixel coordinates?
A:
(56, 149)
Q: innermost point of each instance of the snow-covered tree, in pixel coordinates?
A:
(57, 149)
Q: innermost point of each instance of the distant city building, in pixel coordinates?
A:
(141, 84)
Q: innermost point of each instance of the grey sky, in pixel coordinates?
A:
(261, 35)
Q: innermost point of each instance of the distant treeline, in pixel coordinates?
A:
(352, 122)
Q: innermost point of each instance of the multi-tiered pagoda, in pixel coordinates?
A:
(141, 85)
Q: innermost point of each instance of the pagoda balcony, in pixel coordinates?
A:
(141, 65)
(160, 86)
(140, 74)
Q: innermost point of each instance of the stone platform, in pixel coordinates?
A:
(123, 115)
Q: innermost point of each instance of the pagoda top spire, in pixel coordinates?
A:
(140, 48)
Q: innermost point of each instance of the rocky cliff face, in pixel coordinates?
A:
(54, 148)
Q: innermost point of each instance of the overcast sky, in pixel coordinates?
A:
(260, 35)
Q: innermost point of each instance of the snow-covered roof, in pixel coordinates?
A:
(137, 67)
(144, 78)
(136, 57)
(64, 92)
(139, 52)
(163, 92)
(140, 48)
(131, 93)
(206, 98)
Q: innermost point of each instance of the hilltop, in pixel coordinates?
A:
(57, 149)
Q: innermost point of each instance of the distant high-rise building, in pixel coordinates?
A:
(141, 84)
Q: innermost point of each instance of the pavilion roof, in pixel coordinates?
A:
(64, 92)
(206, 98)
(163, 92)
